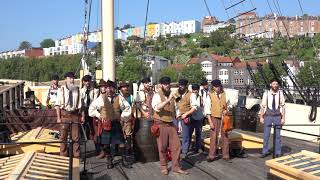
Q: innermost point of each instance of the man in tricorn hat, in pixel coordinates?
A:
(126, 104)
(216, 108)
(68, 110)
(163, 105)
(107, 109)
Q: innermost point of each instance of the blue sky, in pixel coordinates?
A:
(35, 20)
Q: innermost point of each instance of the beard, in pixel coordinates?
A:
(182, 91)
(275, 89)
(166, 92)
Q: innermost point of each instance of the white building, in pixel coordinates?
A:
(213, 27)
(63, 50)
(191, 26)
(12, 54)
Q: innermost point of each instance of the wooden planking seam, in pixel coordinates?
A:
(55, 156)
(48, 165)
(38, 177)
(50, 170)
(51, 163)
(36, 172)
(51, 159)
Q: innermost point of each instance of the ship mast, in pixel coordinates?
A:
(108, 61)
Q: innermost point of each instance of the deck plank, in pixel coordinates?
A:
(250, 168)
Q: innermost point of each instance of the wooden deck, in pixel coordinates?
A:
(250, 168)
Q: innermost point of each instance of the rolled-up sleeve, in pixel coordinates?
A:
(94, 107)
(264, 100)
(156, 100)
(207, 106)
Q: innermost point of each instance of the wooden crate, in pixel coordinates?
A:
(302, 165)
(33, 165)
(35, 135)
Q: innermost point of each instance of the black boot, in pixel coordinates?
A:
(124, 161)
(109, 162)
(107, 149)
(129, 151)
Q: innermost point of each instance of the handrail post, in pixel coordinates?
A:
(274, 141)
(70, 142)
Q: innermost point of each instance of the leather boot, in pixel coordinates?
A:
(109, 162)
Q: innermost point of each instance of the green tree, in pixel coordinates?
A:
(193, 73)
(132, 69)
(170, 72)
(309, 75)
(25, 45)
(118, 47)
(46, 43)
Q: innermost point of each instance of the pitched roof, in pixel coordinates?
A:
(221, 59)
(178, 66)
(193, 60)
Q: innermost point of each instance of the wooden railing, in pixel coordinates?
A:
(11, 98)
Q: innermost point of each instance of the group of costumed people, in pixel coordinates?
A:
(108, 115)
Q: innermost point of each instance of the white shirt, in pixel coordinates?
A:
(95, 106)
(268, 96)
(156, 100)
(141, 99)
(93, 94)
(52, 95)
(67, 104)
(195, 102)
(125, 107)
(207, 106)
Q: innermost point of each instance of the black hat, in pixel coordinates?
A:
(204, 82)
(55, 77)
(146, 80)
(165, 80)
(69, 74)
(195, 86)
(216, 83)
(111, 84)
(183, 82)
(86, 78)
(123, 84)
(102, 83)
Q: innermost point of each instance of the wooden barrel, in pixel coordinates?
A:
(240, 118)
(145, 145)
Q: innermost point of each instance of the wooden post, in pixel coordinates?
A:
(1, 108)
(21, 94)
(5, 100)
(10, 99)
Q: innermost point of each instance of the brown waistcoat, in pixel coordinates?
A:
(167, 113)
(218, 105)
(184, 104)
(110, 110)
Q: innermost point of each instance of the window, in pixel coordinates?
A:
(226, 73)
(236, 81)
(241, 81)
(225, 81)
(312, 23)
(301, 29)
(220, 73)
(241, 72)
(236, 72)
(207, 65)
(207, 73)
